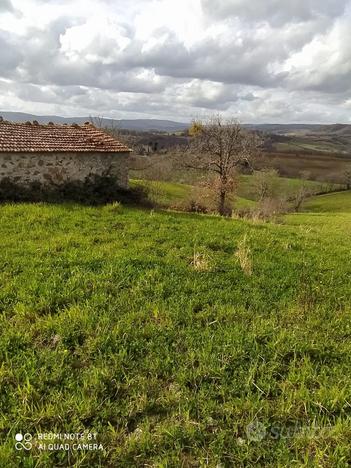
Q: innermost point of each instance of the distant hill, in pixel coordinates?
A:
(337, 129)
(300, 129)
(335, 138)
(159, 125)
(137, 124)
(285, 129)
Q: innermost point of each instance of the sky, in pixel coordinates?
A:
(260, 61)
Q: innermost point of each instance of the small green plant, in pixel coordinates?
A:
(114, 207)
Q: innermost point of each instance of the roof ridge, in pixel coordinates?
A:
(49, 124)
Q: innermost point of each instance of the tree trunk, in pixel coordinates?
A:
(221, 204)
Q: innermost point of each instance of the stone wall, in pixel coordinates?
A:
(56, 168)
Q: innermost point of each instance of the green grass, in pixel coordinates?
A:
(339, 202)
(165, 193)
(169, 194)
(144, 327)
(284, 186)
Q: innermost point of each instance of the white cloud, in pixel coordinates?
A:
(258, 60)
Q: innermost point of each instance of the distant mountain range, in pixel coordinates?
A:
(137, 124)
(147, 125)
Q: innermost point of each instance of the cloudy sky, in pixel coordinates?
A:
(257, 60)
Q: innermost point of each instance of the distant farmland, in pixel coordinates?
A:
(321, 166)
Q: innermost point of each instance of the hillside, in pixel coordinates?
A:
(310, 138)
(330, 203)
(171, 194)
(135, 124)
(178, 339)
(161, 125)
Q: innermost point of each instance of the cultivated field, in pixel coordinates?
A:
(182, 340)
(323, 167)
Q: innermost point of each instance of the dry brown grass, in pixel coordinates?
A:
(201, 261)
(244, 256)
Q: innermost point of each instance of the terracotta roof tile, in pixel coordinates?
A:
(35, 138)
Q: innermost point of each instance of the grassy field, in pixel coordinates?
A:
(165, 193)
(311, 144)
(181, 340)
(284, 186)
(169, 194)
(330, 203)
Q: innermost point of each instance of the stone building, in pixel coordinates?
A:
(54, 154)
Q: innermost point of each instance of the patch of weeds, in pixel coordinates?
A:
(244, 256)
(201, 261)
(114, 207)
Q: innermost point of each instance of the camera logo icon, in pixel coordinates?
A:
(23, 441)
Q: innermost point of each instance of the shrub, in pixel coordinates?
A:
(247, 213)
(269, 208)
(95, 190)
(265, 210)
(203, 198)
(191, 206)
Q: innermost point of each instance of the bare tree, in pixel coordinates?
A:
(219, 146)
(97, 121)
(265, 183)
(111, 127)
(347, 178)
(303, 192)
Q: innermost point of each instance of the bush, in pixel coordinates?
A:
(244, 212)
(95, 190)
(267, 209)
(193, 206)
(203, 198)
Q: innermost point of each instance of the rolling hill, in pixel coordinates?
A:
(170, 125)
(124, 124)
